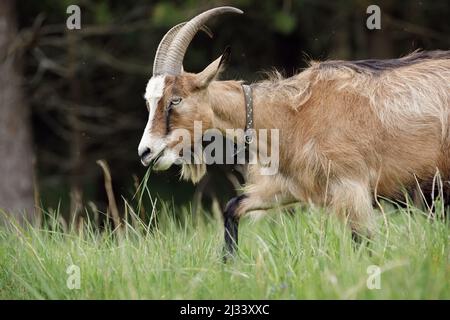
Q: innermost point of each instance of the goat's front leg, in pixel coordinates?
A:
(231, 225)
(257, 198)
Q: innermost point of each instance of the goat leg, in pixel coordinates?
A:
(357, 238)
(231, 225)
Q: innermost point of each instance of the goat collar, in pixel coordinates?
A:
(248, 113)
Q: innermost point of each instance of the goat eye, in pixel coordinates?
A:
(175, 101)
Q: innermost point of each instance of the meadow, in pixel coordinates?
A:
(300, 254)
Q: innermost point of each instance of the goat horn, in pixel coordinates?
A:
(164, 45)
(183, 37)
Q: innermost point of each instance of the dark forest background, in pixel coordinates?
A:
(71, 97)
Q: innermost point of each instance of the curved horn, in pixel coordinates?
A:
(175, 54)
(164, 45)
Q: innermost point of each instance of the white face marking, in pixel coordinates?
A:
(153, 93)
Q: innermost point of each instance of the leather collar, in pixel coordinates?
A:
(248, 113)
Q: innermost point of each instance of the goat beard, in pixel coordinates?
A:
(194, 171)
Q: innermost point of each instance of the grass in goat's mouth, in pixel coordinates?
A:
(155, 159)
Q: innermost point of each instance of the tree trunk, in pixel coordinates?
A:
(16, 152)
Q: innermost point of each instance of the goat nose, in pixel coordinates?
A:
(145, 153)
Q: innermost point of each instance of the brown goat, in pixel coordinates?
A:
(348, 131)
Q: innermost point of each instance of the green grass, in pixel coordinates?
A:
(307, 255)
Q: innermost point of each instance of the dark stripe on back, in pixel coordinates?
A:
(376, 66)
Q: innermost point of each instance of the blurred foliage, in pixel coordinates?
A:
(166, 14)
(284, 22)
(85, 87)
(102, 13)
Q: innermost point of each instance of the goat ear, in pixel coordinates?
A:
(213, 70)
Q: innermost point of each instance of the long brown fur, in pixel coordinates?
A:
(347, 130)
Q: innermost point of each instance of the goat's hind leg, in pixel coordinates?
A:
(352, 201)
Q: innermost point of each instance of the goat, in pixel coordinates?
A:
(349, 131)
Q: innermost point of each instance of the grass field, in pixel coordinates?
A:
(305, 255)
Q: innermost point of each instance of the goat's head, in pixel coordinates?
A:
(176, 99)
